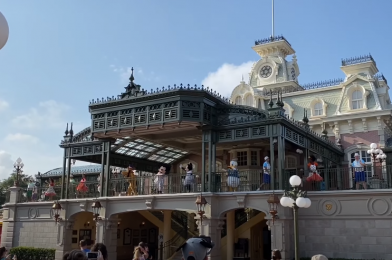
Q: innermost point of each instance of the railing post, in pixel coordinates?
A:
(161, 251)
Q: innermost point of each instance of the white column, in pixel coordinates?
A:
(107, 234)
(64, 236)
(282, 237)
(230, 226)
(212, 227)
(9, 218)
(166, 230)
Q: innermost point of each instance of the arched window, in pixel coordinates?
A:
(249, 100)
(357, 100)
(238, 100)
(318, 109)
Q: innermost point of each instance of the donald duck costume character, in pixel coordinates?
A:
(189, 177)
(233, 179)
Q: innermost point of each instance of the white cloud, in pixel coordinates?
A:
(23, 138)
(48, 114)
(125, 74)
(3, 105)
(6, 165)
(227, 77)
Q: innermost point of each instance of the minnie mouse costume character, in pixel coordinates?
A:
(189, 177)
(314, 176)
(159, 180)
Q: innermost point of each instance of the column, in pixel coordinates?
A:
(211, 162)
(203, 161)
(103, 180)
(282, 237)
(9, 215)
(64, 238)
(230, 226)
(283, 176)
(64, 188)
(107, 234)
(327, 173)
(212, 227)
(166, 230)
(106, 146)
(272, 161)
(68, 172)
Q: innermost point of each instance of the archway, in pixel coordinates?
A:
(84, 228)
(248, 237)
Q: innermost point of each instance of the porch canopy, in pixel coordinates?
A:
(146, 129)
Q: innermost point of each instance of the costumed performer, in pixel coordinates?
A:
(197, 248)
(359, 174)
(30, 189)
(50, 192)
(159, 181)
(266, 173)
(129, 174)
(233, 179)
(189, 180)
(314, 176)
(82, 187)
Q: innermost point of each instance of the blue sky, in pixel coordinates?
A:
(61, 54)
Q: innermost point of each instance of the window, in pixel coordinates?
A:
(253, 158)
(242, 158)
(357, 99)
(249, 100)
(238, 101)
(366, 158)
(318, 109)
(291, 162)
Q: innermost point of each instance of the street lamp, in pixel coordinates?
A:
(273, 203)
(201, 203)
(56, 211)
(376, 154)
(4, 31)
(295, 199)
(18, 165)
(96, 206)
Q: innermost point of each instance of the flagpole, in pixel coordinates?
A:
(273, 21)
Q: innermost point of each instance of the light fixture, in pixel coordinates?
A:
(275, 141)
(376, 154)
(299, 151)
(201, 203)
(295, 199)
(4, 31)
(142, 224)
(56, 208)
(273, 203)
(18, 165)
(96, 206)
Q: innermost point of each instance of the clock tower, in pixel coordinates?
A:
(273, 68)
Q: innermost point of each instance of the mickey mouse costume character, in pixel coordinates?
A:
(189, 180)
(233, 179)
(159, 180)
(197, 248)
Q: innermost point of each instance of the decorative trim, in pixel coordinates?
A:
(289, 109)
(150, 203)
(241, 200)
(365, 128)
(313, 110)
(355, 87)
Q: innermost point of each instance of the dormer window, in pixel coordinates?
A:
(238, 100)
(318, 109)
(249, 100)
(357, 99)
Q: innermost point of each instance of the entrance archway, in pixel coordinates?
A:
(84, 228)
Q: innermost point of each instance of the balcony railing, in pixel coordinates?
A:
(344, 178)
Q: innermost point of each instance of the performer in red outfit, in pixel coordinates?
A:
(82, 187)
(314, 176)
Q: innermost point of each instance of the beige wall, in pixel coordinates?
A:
(83, 221)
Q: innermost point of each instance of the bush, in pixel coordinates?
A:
(32, 253)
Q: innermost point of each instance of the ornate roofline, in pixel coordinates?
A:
(271, 39)
(357, 60)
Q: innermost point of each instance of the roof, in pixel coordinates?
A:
(75, 170)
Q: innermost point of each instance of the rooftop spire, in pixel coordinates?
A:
(273, 20)
(132, 78)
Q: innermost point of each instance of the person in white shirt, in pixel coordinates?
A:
(359, 173)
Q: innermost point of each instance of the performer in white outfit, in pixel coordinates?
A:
(359, 173)
(159, 180)
(189, 180)
(233, 179)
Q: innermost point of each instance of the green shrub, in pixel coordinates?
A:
(32, 253)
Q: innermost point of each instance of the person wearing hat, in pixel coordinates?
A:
(266, 173)
(197, 248)
(359, 174)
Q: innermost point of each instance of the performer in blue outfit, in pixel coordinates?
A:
(266, 173)
(359, 173)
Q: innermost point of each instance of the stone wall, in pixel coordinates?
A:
(352, 225)
(36, 233)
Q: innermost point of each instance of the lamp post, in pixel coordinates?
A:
(201, 203)
(273, 203)
(18, 165)
(4, 31)
(96, 206)
(295, 199)
(56, 208)
(376, 154)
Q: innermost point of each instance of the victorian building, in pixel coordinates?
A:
(190, 134)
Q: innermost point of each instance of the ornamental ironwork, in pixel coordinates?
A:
(357, 60)
(322, 84)
(271, 39)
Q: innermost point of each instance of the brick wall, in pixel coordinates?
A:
(40, 234)
(366, 138)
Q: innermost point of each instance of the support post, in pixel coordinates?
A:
(107, 166)
(296, 235)
(68, 171)
(166, 230)
(272, 156)
(103, 178)
(230, 226)
(64, 188)
(327, 173)
(203, 162)
(281, 160)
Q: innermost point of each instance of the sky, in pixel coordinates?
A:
(62, 54)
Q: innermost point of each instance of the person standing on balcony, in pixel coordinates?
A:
(159, 181)
(72, 186)
(50, 192)
(131, 178)
(30, 189)
(359, 173)
(266, 173)
(82, 187)
(189, 180)
(233, 179)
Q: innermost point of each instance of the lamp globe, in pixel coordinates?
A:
(4, 31)
(295, 180)
(301, 202)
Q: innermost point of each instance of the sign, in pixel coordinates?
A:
(160, 238)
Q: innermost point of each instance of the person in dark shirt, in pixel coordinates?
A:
(83, 246)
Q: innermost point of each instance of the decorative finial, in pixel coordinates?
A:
(270, 103)
(132, 78)
(305, 119)
(66, 131)
(71, 130)
(281, 103)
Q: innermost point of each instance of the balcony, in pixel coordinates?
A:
(375, 177)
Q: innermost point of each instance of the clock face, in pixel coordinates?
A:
(266, 71)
